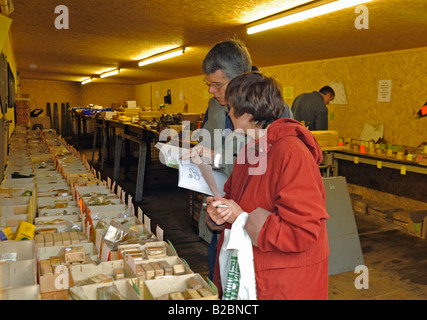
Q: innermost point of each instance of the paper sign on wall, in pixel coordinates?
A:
(384, 91)
(288, 92)
(340, 95)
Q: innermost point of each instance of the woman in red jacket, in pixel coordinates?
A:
(276, 180)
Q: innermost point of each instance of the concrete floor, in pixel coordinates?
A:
(396, 261)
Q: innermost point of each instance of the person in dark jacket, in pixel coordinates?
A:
(311, 108)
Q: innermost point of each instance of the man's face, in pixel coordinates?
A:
(218, 84)
(327, 98)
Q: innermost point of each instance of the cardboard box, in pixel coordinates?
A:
(14, 220)
(361, 205)
(39, 120)
(89, 292)
(417, 225)
(99, 229)
(402, 218)
(25, 231)
(81, 273)
(18, 273)
(56, 221)
(31, 292)
(150, 269)
(61, 279)
(326, 138)
(75, 210)
(25, 250)
(161, 288)
(15, 205)
(55, 295)
(124, 249)
(192, 117)
(6, 234)
(382, 210)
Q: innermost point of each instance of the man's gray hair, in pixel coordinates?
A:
(230, 56)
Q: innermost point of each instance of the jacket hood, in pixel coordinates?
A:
(286, 127)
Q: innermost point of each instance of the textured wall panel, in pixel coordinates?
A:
(361, 76)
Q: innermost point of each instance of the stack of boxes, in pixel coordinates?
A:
(414, 222)
(66, 235)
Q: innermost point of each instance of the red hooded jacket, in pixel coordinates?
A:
(291, 244)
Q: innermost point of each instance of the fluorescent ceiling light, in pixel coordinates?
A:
(306, 14)
(164, 56)
(87, 81)
(110, 73)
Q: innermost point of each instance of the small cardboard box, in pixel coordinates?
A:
(18, 273)
(157, 267)
(81, 273)
(61, 279)
(59, 212)
(361, 205)
(192, 117)
(31, 292)
(326, 138)
(25, 250)
(25, 231)
(382, 210)
(14, 220)
(6, 234)
(55, 295)
(162, 288)
(402, 218)
(90, 291)
(124, 249)
(52, 221)
(417, 225)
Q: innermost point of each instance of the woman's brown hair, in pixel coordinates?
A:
(256, 94)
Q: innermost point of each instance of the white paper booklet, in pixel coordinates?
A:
(200, 178)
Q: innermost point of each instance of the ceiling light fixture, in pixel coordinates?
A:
(286, 18)
(110, 73)
(87, 81)
(162, 56)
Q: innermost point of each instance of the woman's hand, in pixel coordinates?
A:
(222, 210)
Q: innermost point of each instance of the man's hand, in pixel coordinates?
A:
(198, 154)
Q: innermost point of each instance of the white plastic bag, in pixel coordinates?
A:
(236, 263)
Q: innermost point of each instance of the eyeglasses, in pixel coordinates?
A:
(215, 85)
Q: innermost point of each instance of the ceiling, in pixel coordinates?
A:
(105, 34)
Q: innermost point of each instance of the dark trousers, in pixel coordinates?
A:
(212, 254)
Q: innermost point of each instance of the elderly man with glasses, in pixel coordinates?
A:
(225, 61)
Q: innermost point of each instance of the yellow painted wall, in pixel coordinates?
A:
(105, 94)
(46, 91)
(360, 76)
(190, 90)
(10, 54)
(42, 92)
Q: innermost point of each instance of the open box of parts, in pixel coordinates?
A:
(184, 287)
(54, 262)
